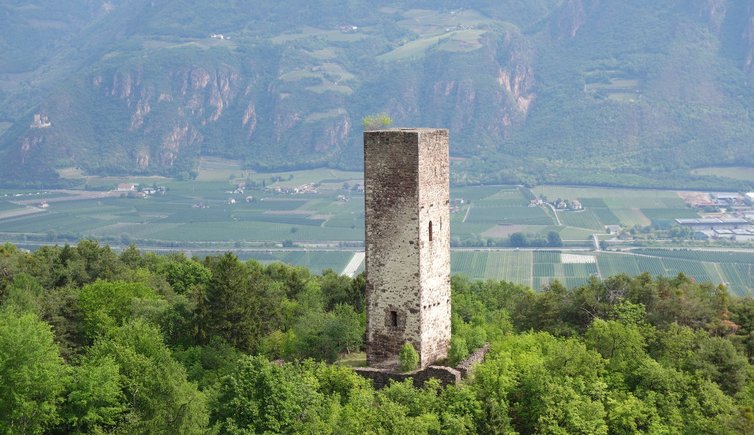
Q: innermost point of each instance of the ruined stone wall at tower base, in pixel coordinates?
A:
(381, 378)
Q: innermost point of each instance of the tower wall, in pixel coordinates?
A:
(408, 271)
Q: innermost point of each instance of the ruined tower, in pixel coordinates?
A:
(407, 244)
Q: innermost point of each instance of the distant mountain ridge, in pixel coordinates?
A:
(594, 91)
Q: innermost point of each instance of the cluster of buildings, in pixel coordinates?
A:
(730, 202)
(455, 204)
(134, 190)
(299, 190)
(730, 228)
(558, 204)
(736, 224)
(567, 204)
(40, 121)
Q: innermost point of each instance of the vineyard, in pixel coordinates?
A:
(540, 268)
(509, 215)
(709, 256)
(582, 219)
(514, 266)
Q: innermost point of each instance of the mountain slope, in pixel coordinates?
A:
(548, 90)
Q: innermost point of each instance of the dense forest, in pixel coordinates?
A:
(94, 341)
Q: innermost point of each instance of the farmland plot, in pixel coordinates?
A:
(509, 266)
(471, 264)
(514, 266)
(509, 215)
(582, 219)
(505, 197)
(614, 264)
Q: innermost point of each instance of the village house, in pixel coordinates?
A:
(126, 187)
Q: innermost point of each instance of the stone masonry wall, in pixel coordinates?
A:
(381, 378)
(472, 360)
(434, 250)
(408, 276)
(392, 249)
(446, 375)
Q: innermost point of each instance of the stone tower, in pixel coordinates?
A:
(407, 244)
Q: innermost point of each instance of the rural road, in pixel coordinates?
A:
(353, 265)
(72, 195)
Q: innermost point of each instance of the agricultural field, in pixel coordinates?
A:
(514, 266)
(296, 213)
(5, 205)
(515, 215)
(582, 219)
(734, 172)
(573, 268)
(448, 31)
(273, 207)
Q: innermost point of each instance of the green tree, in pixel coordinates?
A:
(242, 305)
(25, 293)
(182, 273)
(261, 397)
(459, 350)
(340, 289)
(408, 358)
(536, 383)
(519, 240)
(32, 374)
(95, 401)
(131, 257)
(323, 335)
(108, 304)
(160, 399)
(718, 360)
(553, 239)
(622, 345)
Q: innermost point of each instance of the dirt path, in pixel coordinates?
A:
(555, 212)
(20, 212)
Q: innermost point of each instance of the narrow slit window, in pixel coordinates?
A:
(430, 231)
(394, 319)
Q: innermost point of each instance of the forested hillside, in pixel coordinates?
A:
(557, 91)
(94, 341)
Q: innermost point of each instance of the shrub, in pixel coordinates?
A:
(377, 121)
(409, 358)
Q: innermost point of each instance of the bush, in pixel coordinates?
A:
(376, 122)
(409, 358)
